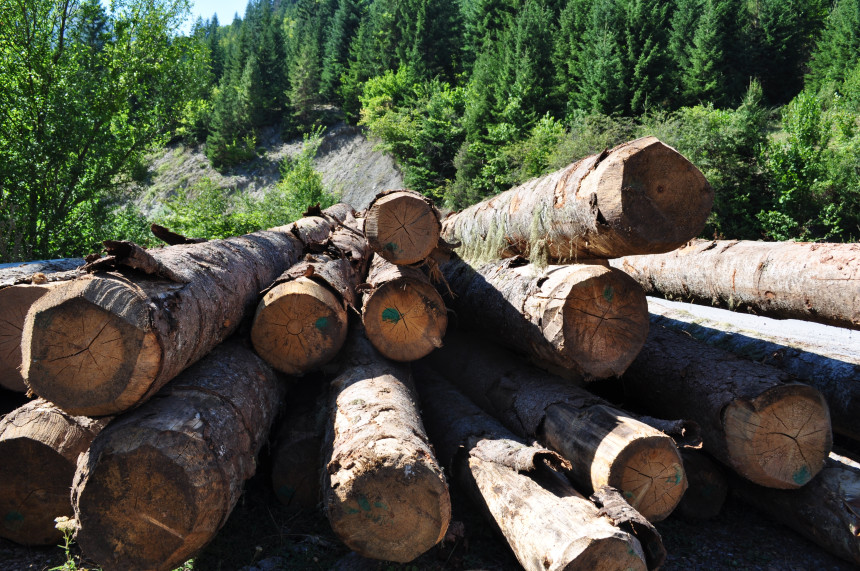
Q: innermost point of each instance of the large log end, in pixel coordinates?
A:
(14, 303)
(781, 438)
(402, 227)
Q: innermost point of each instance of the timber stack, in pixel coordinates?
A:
(153, 405)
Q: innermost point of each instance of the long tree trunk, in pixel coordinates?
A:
(547, 523)
(830, 371)
(641, 197)
(402, 226)
(604, 445)
(403, 314)
(39, 447)
(301, 322)
(582, 321)
(708, 487)
(754, 418)
(107, 342)
(825, 511)
(160, 481)
(41, 271)
(383, 491)
(790, 280)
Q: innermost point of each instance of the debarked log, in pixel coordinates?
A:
(160, 481)
(402, 226)
(754, 418)
(642, 197)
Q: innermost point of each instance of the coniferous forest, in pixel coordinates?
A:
(469, 96)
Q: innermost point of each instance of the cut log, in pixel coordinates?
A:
(833, 373)
(404, 316)
(160, 481)
(770, 430)
(42, 271)
(383, 491)
(402, 226)
(641, 197)
(826, 510)
(604, 445)
(39, 445)
(547, 523)
(107, 342)
(582, 321)
(301, 323)
(787, 280)
(708, 487)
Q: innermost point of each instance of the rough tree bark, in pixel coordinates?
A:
(383, 491)
(39, 445)
(301, 322)
(825, 511)
(160, 481)
(582, 321)
(770, 430)
(604, 445)
(402, 226)
(403, 314)
(107, 342)
(790, 280)
(547, 523)
(708, 487)
(641, 197)
(832, 373)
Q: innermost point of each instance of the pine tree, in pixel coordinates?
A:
(602, 88)
(838, 50)
(343, 29)
(566, 65)
(684, 23)
(645, 52)
(216, 52)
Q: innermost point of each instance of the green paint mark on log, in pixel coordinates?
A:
(392, 247)
(608, 293)
(286, 493)
(390, 315)
(802, 476)
(352, 511)
(363, 503)
(676, 478)
(321, 323)
(14, 516)
(380, 505)
(628, 495)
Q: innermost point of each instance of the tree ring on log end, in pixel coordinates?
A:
(781, 438)
(14, 303)
(650, 475)
(299, 325)
(402, 227)
(405, 319)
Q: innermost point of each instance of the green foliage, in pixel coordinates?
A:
(838, 50)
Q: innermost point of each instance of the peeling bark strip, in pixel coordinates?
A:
(383, 491)
(547, 523)
(832, 373)
(404, 316)
(160, 481)
(583, 321)
(105, 343)
(605, 446)
(641, 197)
(770, 430)
(826, 511)
(39, 446)
(708, 487)
(786, 280)
(301, 323)
(33, 272)
(402, 226)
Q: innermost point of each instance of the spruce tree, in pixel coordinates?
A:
(601, 88)
(684, 23)
(645, 53)
(343, 29)
(838, 50)
(566, 65)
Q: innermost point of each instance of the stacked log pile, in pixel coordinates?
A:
(153, 349)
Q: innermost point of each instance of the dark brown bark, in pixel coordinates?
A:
(786, 280)
(708, 487)
(547, 523)
(404, 316)
(402, 226)
(160, 481)
(641, 197)
(296, 459)
(754, 418)
(39, 447)
(582, 321)
(604, 445)
(383, 491)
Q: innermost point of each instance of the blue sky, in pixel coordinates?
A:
(225, 9)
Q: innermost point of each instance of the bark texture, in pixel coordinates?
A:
(107, 342)
(835, 375)
(825, 511)
(786, 280)
(383, 491)
(160, 481)
(708, 487)
(754, 418)
(547, 523)
(604, 445)
(42, 271)
(39, 445)
(641, 197)
(582, 321)
(402, 226)
(404, 316)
